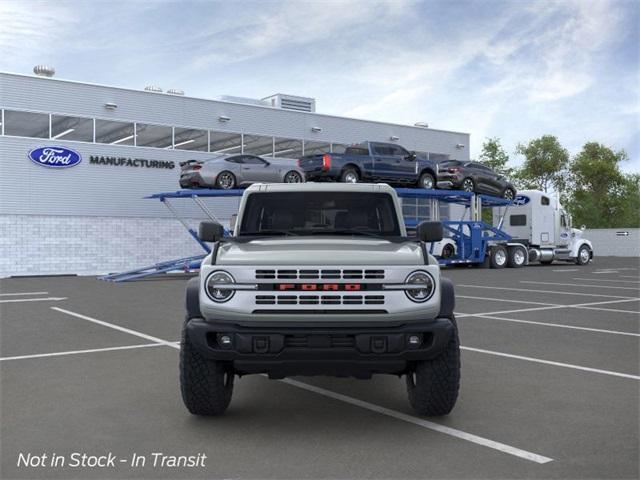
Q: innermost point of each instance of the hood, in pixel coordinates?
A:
(319, 251)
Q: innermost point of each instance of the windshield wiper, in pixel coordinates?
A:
(351, 232)
(269, 233)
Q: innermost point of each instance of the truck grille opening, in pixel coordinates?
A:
(311, 274)
(319, 299)
(319, 341)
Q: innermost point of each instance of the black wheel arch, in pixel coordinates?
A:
(430, 171)
(193, 298)
(447, 298)
(352, 166)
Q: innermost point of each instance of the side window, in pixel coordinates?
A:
(518, 220)
(250, 159)
(379, 149)
(237, 159)
(563, 220)
(544, 200)
(399, 151)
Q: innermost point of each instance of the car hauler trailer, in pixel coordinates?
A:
(538, 221)
(469, 241)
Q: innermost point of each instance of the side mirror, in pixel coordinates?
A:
(210, 231)
(429, 232)
(232, 222)
(412, 156)
(583, 228)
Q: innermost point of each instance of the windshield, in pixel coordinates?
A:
(320, 213)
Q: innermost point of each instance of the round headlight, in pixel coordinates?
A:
(218, 294)
(425, 286)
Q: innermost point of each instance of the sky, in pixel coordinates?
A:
(509, 69)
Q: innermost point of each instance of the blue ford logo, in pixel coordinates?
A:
(521, 200)
(55, 157)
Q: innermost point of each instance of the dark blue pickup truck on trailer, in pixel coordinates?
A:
(372, 162)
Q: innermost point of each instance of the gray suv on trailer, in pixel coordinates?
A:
(320, 279)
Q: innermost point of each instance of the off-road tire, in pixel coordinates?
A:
(426, 177)
(349, 173)
(434, 390)
(205, 384)
(499, 257)
(580, 260)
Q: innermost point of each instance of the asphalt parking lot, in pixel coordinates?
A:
(550, 379)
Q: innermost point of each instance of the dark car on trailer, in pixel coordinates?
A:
(474, 177)
(372, 162)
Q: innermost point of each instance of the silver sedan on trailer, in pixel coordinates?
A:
(233, 171)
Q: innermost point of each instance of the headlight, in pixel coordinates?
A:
(214, 291)
(425, 286)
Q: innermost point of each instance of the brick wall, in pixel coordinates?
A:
(46, 245)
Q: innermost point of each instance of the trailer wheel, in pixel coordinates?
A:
(517, 257)
(499, 257)
(584, 255)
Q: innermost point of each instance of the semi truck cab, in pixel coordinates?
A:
(538, 221)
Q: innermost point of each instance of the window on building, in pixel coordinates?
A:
(71, 128)
(157, 136)
(314, 148)
(26, 124)
(225, 142)
(258, 145)
(438, 157)
(114, 133)
(518, 220)
(190, 139)
(287, 148)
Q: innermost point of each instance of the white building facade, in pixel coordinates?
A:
(92, 218)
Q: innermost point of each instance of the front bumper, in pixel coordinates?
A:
(300, 349)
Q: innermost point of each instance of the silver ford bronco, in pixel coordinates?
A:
(320, 279)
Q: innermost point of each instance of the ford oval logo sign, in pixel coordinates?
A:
(55, 157)
(521, 200)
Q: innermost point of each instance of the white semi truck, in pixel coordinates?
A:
(538, 221)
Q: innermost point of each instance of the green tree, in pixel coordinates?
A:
(600, 195)
(545, 164)
(494, 156)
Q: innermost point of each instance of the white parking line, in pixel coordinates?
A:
(76, 352)
(23, 293)
(628, 276)
(47, 299)
(559, 325)
(555, 364)
(604, 280)
(527, 290)
(567, 270)
(469, 437)
(508, 301)
(588, 306)
(117, 327)
(582, 285)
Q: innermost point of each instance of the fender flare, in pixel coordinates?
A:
(447, 298)
(192, 302)
(580, 243)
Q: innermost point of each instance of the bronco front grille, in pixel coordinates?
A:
(315, 274)
(319, 299)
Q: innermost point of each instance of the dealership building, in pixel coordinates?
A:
(93, 217)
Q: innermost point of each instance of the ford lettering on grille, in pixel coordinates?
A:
(323, 287)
